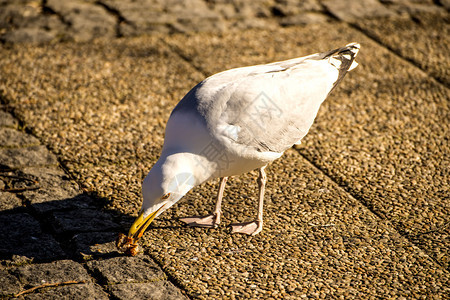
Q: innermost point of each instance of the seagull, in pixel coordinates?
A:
(234, 122)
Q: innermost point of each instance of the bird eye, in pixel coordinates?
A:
(166, 196)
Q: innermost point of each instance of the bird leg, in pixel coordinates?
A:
(254, 227)
(212, 220)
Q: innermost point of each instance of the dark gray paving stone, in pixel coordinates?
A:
(16, 225)
(95, 243)
(15, 181)
(170, 16)
(21, 235)
(194, 16)
(28, 35)
(445, 3)
(9, 284)
(126, 270)
(9, 201)
(86, 20)
(140, 16)
(415, 9)
(83, 220)
(44, 201)
(54, 272)
(291, 8)
(27, 24)
(351, 11)
(73, 291)
(15, 15)
(29, 156)
(56, 191)
(7, 120)
(14, 138)
(158, 290)
(303, 19)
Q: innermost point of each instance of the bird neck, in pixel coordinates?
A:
(181, 170)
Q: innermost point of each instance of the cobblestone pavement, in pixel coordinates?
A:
(359, 210)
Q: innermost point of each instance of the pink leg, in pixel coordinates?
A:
(212, 220)
(254, 227)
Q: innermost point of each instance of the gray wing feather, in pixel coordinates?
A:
(269, 107)
(271, 112)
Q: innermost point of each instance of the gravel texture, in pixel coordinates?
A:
(359, 210)
(421, 39)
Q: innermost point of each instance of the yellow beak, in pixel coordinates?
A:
(141, 224)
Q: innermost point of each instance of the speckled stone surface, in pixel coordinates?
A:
(421, 39)
(359, 210)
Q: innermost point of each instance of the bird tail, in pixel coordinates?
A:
(343, 59)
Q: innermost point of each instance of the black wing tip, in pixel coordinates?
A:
(352, 49)
(353, 46)
(343, 59)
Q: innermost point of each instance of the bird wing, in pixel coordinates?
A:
(269, 108)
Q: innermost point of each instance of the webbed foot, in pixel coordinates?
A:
(209, 221)
(250, 228)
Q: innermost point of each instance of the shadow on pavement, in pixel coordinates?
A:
(71, 228)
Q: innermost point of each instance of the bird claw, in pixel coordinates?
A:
(250, 228)
(209, 221)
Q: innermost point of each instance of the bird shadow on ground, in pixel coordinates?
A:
(35, 227)
(78, 228)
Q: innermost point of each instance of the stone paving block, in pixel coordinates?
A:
(158, 290)
(9, 201)
(25, 23)
(445, 3)
(9, 284)
(291, 8)
(303, 19)
(82, 220)
(17, 225)
(16, 181)
(14, 138)
(7, 120)
(95, 244)
(79, 201)
(56, 191)
(28, 156)
(422, 39)
(141, 16)
(28, 35)
(127, 270)
(14, 15)
(414, 9)
(72, 291)
(351, 11)
(42, 205)
(21, 235)
(55, 272)
(87, 20)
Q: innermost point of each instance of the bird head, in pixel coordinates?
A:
(166, 183)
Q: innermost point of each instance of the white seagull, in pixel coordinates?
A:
(234, 122)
